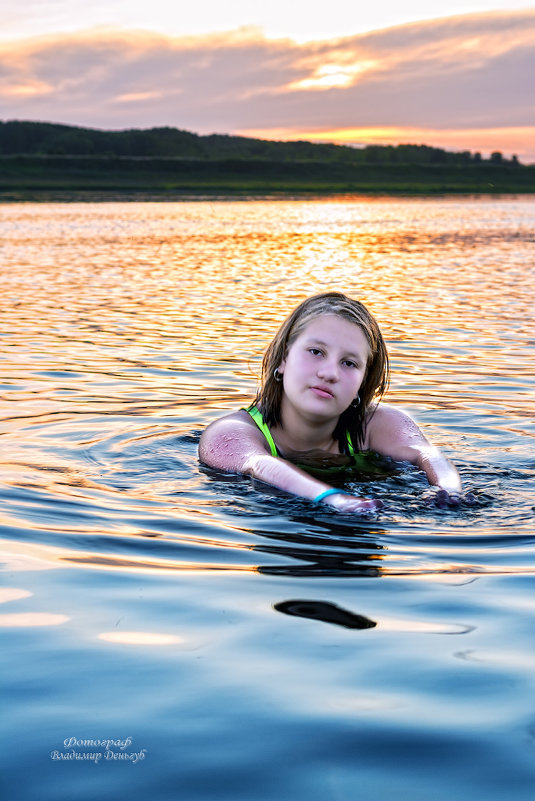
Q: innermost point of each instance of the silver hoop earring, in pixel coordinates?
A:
(355, 404)
(276, 375)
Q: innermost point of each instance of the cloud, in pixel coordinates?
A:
(471, 72)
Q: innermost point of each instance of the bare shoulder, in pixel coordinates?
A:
(235, 421)
(390, 426)
(394, 433)
(229, 441)
(385, 414)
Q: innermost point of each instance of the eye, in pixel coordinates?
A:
(315, 351)
(349, 363)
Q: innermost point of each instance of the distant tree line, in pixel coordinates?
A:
(49, 139)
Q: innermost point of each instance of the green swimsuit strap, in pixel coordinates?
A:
(256, 414)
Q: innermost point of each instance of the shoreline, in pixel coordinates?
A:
(176, 177)
(221, 196)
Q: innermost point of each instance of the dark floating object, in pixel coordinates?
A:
(326, 611)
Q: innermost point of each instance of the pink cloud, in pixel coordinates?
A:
(472, 72)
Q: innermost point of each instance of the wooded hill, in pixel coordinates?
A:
(39, 155)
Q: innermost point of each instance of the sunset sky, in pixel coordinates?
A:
(457, 75)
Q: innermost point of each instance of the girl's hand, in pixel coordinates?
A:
(446, 500)
(344, 502)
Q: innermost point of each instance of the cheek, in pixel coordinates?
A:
(358, 379)
(295, 362)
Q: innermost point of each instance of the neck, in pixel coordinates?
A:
(296, 433)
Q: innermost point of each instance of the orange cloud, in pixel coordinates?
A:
(25, 90)
(462, 82)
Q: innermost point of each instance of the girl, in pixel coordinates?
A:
(323, 376)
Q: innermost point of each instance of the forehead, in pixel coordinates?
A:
(333, 330)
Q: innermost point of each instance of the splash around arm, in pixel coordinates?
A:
(393, 433)
(235, 444)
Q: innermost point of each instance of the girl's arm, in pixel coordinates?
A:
(393, 433)
(235, 444)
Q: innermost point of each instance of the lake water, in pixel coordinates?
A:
(233, 642)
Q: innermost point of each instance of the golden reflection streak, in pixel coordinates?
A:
(131, 531)
(27, 619)
(152, 566)
(139, 638)
(51, 556)
(13, 594)
(28, 556)
(391, 624)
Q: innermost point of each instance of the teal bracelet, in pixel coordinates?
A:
(328, 492)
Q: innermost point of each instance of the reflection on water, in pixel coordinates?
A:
(31, 619)
(329, 613)
(139, 638)
(126, 328)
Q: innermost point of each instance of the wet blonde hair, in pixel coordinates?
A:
(375, 381)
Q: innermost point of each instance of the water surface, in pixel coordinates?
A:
(238, 642)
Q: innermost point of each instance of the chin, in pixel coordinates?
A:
(322, 411)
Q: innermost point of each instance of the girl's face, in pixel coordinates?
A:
(324, 367)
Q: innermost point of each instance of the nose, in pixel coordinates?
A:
(328, 370)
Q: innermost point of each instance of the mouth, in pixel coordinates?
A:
(322, 392)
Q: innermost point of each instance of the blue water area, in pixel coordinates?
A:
(173, 632)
